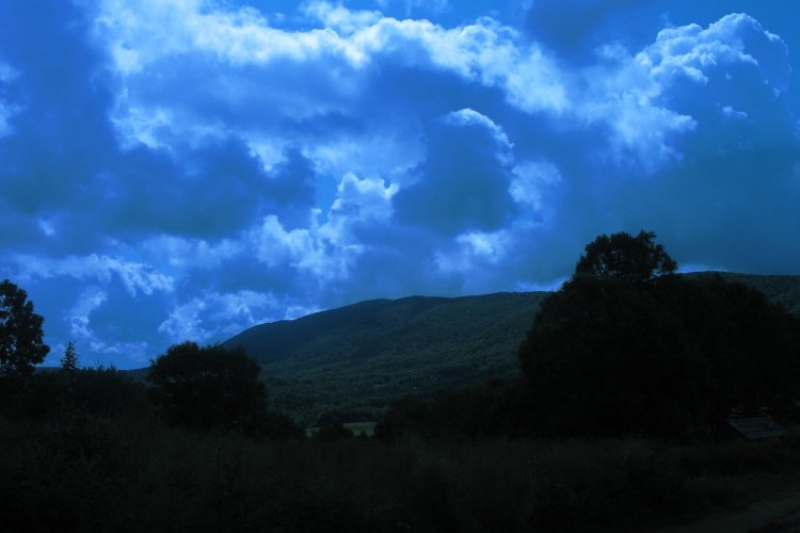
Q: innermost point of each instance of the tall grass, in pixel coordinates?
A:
(94, 475)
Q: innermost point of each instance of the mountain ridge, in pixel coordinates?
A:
(352, 362)
(356, 359)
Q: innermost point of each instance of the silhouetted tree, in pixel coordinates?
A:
(211, 387)
(626, 257)
(624, 348)
(69, 361)
(21, 345)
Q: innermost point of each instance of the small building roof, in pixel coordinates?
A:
(757, 427)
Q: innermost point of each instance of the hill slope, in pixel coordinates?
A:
(357, 359)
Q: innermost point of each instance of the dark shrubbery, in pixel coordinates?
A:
(147, 477)
(495, 410)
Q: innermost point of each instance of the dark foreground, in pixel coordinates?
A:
(80, 473)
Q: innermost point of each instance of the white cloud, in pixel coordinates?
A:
(183, 253)
(474, 250)
(251, 69)
(341, 19)
(325, 252)
(531, 181)
(632, 94)
(136, 277)
(78, 316)
(312, 252)
(8, 109)
(361, 200)
(730, 112)
(214, 315)
(470, 117)
(691, 51)
(153, 43)
(81, 331)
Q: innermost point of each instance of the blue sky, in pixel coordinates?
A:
(178, 170)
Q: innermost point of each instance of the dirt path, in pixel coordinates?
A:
(780, 514)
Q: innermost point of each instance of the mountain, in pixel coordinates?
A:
(784, 290)
(355, 360)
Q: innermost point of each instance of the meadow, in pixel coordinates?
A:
(83, 472)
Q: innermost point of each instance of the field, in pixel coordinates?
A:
(140, 476)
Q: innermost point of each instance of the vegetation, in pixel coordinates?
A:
(212, 388)
(626, 348)
(354, 362)
(624, 257)
(612, 422)
(21, 346)
(97, 472)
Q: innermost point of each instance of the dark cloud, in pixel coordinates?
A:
(464, 182)
(574, 29)
(61, 137)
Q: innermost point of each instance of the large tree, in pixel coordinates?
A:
(626, 257)
(623, 348)
(21, 345)
(209, 387)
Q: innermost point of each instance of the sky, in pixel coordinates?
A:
(176, 170)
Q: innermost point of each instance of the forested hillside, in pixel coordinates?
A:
(784, 290)
(354, 361)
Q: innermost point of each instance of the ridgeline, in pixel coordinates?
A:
(353, 362)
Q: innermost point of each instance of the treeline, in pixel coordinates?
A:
(616, 423)
(627, 348)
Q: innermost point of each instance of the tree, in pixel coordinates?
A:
(209, 387)
(21, 345)
(623, 348)
(624, 256)
(69, 361)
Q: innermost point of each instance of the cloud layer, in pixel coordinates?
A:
(184, 170)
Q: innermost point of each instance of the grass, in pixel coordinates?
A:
(359, 428)
(104, 475)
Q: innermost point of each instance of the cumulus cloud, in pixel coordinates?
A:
(212, 315)
(201, 166)
(464, 182)
(136, 277)
(8, 108)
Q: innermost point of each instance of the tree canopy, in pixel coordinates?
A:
(21, 345)
(620, 348)
(624, 256)
(212, 387)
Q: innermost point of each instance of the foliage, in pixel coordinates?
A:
(69, 361)
(618, 353)
(97, 393)
(476, 413)
(129, 475)
(21, 345)
(212, 388)
(355, 361)
(625, 257)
